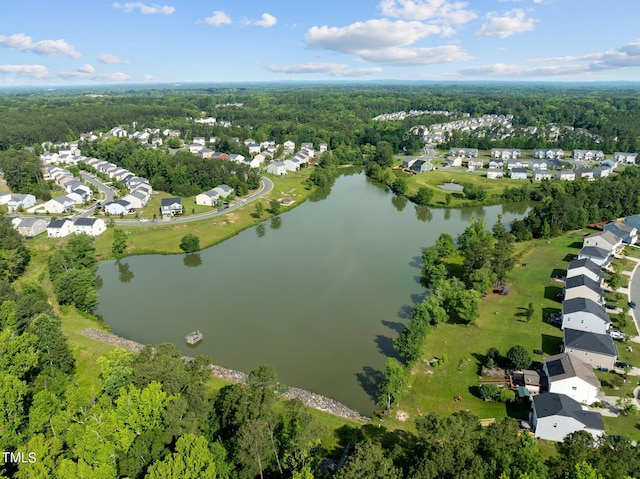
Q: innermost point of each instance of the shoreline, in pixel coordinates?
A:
(310, 399)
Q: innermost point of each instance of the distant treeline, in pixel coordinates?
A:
(336, 115)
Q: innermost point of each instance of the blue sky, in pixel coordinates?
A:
(98, 42)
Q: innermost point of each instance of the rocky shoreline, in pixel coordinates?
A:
(310, 399)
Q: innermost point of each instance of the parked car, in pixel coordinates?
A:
(616, 334)
(632, 304)
(610, 306)
(622, 364)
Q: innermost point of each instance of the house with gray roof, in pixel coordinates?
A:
(120, 207)
(606, 240)
(628, 158)
(585, 267)
(90, 226)
(224, 190)
(208, 198)
(569, 375)
(628, 234)
(599, 256)
(584, 314)
(464, 152)
(582, 286)
(598, 350)
(541, 174)
(277, 168)
(518, 173)
(171, 206)
(555, 416)
(421, 166)
(60, 228)
(30, 227)
(584, 173)
(602, 171)
(18, 201)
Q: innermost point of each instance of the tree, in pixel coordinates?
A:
(399, 186)
(615, 280)
(519, 357)
(423, 196)
(444, 245)
(119, 242)
(193, 459)
(81, 251)
(392, 384)
(530, 312)
(190, 243)
(116, 369)
(368, 460)
(77, 287)
(259, 209)
(384, 154)
(274, 207)
(52, 345)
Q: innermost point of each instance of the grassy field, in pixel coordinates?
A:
(502, 324)
(433, 180)
(164, 237)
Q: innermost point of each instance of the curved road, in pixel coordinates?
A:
(267, 186)
(634, 295)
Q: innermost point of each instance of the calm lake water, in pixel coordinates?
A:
(320, 292)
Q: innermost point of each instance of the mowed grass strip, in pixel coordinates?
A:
(502, 324)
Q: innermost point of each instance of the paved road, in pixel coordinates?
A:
(634, 295)
(266, 187)
(109, 194)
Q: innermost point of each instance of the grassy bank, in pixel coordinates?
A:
(164, 238)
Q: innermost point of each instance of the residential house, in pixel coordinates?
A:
(606, 240)
(496, 163)
(252, 162)
(156, 142)
(4, 198)
(599, 256)
(518, 173)
(475, 164)
(539, 164)
(307, 145)
(628, 158)
(585, 267)
(495, 173)
(55, 206)
(421, 166)
(291, 165)
(260, 158)
(611, 163)
(136, 181)
(120, 207)
(171, 206)
(90, 226)
(582, 286)
(555, 416)
(530, 379)
(30, 227)
(135, 201)
(464, 152)
(567, 175)
(277, 168)
(207, 198)
(195, 148)
(254, 148)
(541, 174)
(628, 234)
(571, 376)
(224, 190)
(551, 154)
(515, 163)
(199, 140)
(236, 158)
(21, 202)
(588, 155)
(289, 146)
(407, 163)
(206, 153)
(60, 228)
(505, 153)
(602, 171)
(322, 147)
(584, 314)
(598, 350)
(453, 161)
(584, 173)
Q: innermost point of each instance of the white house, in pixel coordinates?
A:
(573, 377)
(585, 267)
(518, 173)
(21, 202)
(30, 227)
(120, 207)
(584, 314)
(495, 173)
(291, 165)
(56, 205)
(628, 158)
(171, 206)
(224, 190)
(207, 198)
(606, 240)
(554, 416)
(90, 226)
(289, 146)
(277, 168)
(453, 161)
(599, 256)
(60, 228)
(135, 201)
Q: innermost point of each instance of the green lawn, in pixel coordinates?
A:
(501, 325)
(632, 251)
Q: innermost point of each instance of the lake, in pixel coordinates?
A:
(319, 292)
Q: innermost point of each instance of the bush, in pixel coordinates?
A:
(519, 357)
(489, 392)
(190, 243)
(507, 395)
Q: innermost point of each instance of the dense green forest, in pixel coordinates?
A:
(337, 115)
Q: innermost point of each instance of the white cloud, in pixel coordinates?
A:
(626, 56)
(144, 9)
(23, 42)
(110, 59)
(416, 56)
(87, 69)
(437, 11)
(509, 24)
(36, 72)
(370, 35)
(218, 18)
(333, 69)
(267, 21)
